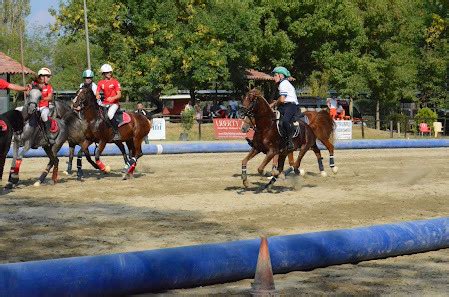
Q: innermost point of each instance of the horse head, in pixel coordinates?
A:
(84, 97)
(31, 101)
(255, 107)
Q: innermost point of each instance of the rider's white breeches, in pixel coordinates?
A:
(45, 111)
(111, 111)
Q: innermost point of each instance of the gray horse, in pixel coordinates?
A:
(34, 136)
(76, 136)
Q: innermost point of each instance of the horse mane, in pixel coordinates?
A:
(257, 94)
(15, 118)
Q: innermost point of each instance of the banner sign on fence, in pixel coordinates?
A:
(228, 129)
(343, 129)
(158, 130)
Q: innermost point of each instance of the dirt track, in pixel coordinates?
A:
(189, 199)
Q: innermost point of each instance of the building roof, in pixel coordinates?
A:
(258, 75)
(9, 66)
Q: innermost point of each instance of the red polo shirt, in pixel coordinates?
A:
(4, 84)
(46, 91)
(110, 88)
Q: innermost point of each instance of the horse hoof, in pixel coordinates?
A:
(335, 169)
(107, 169)
(274, 172)
(260, 171)
(245, 183)
(8, 186)
(37, 184)
(323, 173)
(302, 172)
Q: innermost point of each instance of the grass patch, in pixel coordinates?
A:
(207, 133)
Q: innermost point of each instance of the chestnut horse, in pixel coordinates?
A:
(322, 126)
(132, 132)
(268, 140)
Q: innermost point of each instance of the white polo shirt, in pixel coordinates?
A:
(288, 90)
(94, 87)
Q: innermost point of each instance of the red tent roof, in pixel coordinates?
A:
(257, 75)
(10, 66)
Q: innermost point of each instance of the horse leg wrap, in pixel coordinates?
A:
(133, 162)
(100, 165)
(13, 176)
(320, 164)
(244, 175)
(288, 171)
(54, 175)
(17, 168)
(272, 181)
(79, 163)
(43, 176)
(331, 161)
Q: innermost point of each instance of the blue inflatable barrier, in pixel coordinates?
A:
(190, 266)
(229, 147)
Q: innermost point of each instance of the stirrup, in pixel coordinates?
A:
(116, 136)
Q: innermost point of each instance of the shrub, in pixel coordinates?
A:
(187, 119)
(426, 115)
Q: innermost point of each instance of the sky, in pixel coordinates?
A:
(39, 13)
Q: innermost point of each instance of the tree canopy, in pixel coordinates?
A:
(390, 50)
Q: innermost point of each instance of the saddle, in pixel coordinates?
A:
(122, 117)
(36, 121)
(295, 126)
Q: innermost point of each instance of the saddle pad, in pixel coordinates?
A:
(3, 126)
(123, 118)
(54, 126)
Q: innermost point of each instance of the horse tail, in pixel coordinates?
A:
(322, 125)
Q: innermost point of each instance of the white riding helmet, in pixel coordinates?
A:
(106, 68)
(44, 71)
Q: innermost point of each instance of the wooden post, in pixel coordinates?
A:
(199, 128)
(391, 129)
(363, 129)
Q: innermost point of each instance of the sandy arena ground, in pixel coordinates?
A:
(180, 200)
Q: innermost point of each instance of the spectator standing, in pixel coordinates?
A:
(140, 110)
(233, 106)
(198, 112)
(332, 105)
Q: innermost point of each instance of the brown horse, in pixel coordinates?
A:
(132, 132)
(267, 138)
(322, 126)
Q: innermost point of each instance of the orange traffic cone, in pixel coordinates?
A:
(263, 285)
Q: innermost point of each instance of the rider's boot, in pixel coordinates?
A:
(250, 142)
(114, 126)
(47, 126)
(289, 142)
(289, 146)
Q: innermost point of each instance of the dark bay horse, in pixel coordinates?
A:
(10, 122)
(322, 126)
(132, 133)
(267, 138)
(78, 137)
